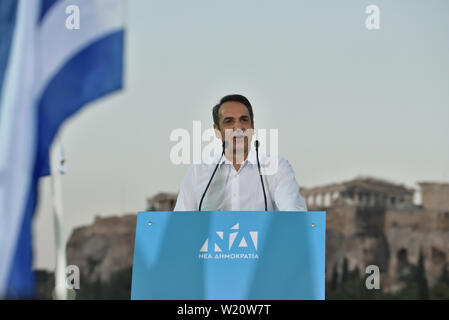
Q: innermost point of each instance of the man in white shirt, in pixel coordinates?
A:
(236, 184)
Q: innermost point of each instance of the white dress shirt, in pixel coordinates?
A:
(241, 190)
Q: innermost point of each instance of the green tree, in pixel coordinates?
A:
(334, 279)
(444, 278)
(441, 290)
(345, 271)
(423, 288)
(415, 283)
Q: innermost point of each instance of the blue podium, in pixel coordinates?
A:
(224, 255)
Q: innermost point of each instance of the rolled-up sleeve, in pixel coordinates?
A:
(287, 196)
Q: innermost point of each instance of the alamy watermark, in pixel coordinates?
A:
(72, 283)
(72, 280)
(373, 280)
(206, 146)
(73, 21)
(372, 21)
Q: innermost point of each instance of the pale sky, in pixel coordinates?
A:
(347, 101)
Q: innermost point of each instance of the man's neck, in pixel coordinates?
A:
(235, 162)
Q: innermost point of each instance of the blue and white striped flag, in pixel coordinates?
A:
(47, 73)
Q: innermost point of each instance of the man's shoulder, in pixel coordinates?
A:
(273, 164)
(269, 157)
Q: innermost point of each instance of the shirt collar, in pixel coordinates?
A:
(252, 158)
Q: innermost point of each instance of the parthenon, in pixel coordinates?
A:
(360, 192)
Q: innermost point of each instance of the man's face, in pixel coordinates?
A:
(234, 120)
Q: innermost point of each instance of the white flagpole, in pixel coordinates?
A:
(57, 169)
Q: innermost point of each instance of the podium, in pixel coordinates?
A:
(223, 255)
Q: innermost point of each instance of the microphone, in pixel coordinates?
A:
(260, 173)
(210, 180)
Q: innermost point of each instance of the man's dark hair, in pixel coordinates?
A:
(232, 97)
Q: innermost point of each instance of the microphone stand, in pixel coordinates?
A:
(210, 180)
(260, 174)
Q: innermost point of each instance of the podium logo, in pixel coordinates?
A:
(231, 244)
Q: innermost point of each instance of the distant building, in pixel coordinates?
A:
(360, 192)
(162, 202)
(373, 221)
(435, 195)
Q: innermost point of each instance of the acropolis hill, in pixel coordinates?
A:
(369, 221)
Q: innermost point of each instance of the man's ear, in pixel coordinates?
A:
(217, 132)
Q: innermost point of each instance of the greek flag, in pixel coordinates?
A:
(50, 67)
